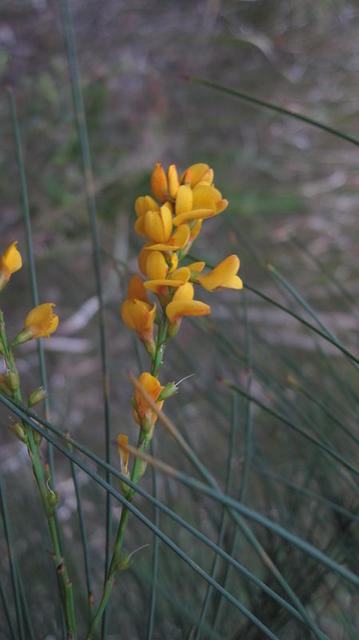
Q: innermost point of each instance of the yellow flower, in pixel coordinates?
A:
(10, 262)
(177, 241)
(136, 290)
(184, 200)
(145, 203)
(175, 280)
(122, 442)
(157, 225)
(159, 184)
(137, 312)
(199, 172)
(222, 276)
(152, 263)
(182, 304)
(143, 411)
(205, 200)
(42, 321)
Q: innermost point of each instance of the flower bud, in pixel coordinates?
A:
(159, 185)
(124, 562)
(37, 396)
(11, 379)
(18, 430)
(52, 498)
(169, 390)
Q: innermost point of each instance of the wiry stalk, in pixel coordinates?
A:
(48, 497)
(137, 472)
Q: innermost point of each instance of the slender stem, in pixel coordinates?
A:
(136, 475)
(48, 497)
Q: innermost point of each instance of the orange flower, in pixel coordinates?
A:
(10, 262)
(175, 280)
(157, 225)
(152, 263)
(182, 304)
(196, 173)
(137, 312)
(41, 322)
(205, 200)
(122, 442)
(179, 240)
(143, 411)
(222, 276)
(159, 184)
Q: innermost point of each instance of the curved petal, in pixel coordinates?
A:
(195, 214)
(179, 240)
(205, 196)
(157, 285)
(184, 200)
(145, 203)
(173, 181)
(197, 267)
(198, 172)
(184, 293)
(223, 275)
(140, 226)
(159, 184)
(183, 274)
(155, 266)
(177, 309)
(136, 290)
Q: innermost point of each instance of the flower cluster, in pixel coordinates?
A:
(171, 221)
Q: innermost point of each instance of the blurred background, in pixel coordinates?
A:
(293, 200)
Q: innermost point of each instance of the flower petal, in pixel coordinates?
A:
(41, 321)
(179, 240)
(178, 308)
(136, 290)
(223, 275)
(184, 200)
(159, 184)
(173, 181)
(184, 293)
(195, 214)
(145, 203)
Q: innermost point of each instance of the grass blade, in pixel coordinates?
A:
(273, 107)
(91, 207)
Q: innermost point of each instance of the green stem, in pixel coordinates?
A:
(48, 497)
(136, 475)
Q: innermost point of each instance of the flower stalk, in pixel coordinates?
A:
(41, 321)
(170, 221)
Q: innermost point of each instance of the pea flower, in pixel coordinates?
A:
(138, 313)
(10, 262)
(122, 442)
(143, 413)
(222, 276)
(159, 183)
(199, 172)
(182, 304)
(175, 280)
(41, 322)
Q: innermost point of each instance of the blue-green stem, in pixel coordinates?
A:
(136, 474)
(48, 497)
